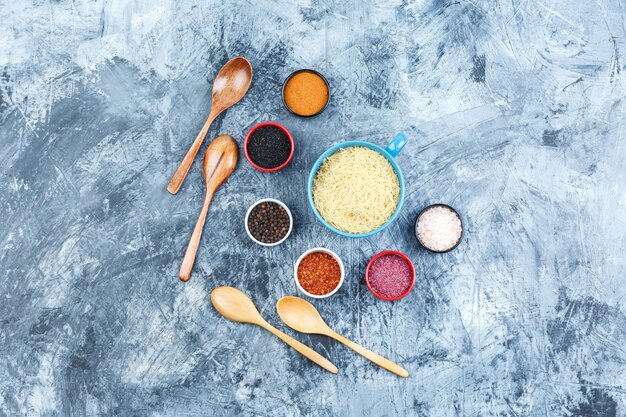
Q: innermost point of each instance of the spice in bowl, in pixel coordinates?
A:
(390, 275)
(319, 273)
(268, 222)
(269, 147)
(439, 228)
(306, 93)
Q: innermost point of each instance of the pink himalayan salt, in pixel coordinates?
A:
(389, 276)
(439, 228)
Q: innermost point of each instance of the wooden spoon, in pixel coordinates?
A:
(219, 162)
(235, 305)
(230, 85)
(300, 315)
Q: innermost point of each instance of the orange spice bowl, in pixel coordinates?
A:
(293, 74)
(323, 250)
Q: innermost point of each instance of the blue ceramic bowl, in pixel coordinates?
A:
(390, 152)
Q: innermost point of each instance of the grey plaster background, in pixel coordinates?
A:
(515, 110)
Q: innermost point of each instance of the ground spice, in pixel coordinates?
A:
(319, 273)
(268, 147)
(268, 222)
(306, 93)
(390, 276)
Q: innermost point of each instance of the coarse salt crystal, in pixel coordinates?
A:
(439, 228)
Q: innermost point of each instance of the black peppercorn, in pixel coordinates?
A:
(268, 222)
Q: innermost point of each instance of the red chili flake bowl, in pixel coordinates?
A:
(285, 131)
(323, 250)
(411, 272)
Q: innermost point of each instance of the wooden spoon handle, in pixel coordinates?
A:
(377, 359)
(302, 349)
(181, 172)
(192, 248)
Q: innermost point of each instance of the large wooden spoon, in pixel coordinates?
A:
(219, 162)
(300, 315)
(236, 306)
(230, 85)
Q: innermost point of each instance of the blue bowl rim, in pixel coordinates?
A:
(331, 151)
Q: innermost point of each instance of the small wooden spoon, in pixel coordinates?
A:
(230, 85)
(300, 315)
(236, 306)
(219, 162)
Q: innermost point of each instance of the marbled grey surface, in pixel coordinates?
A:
(515, 110)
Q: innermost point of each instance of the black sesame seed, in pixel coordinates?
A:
(268, 147)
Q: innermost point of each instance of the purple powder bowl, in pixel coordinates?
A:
(390, 275)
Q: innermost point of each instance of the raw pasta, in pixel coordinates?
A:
(356, 190)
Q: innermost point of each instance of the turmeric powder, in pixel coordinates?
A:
(306, 93)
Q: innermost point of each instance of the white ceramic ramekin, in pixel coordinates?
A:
(324, 250)
(266, 200)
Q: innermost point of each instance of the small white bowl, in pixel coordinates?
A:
(266, 200)
(331, 253)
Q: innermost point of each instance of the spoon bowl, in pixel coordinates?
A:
(302, 316)
(232, 82)
(218, 164)
(220, 160)
(230, 85)
(236, 306)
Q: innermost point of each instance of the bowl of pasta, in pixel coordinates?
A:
(356, 188)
